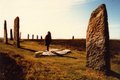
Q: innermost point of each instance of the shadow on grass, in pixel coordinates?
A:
(9, 69)
(28, 49)
(69, 57)
(24, 48)
(114, 74)
(60, 55)
(64, 56)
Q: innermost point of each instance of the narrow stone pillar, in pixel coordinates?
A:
(28, 36)
(41, 38)
(5, 33)
(11, 34)
(37, 36)
(16, 32)
(72, 37)
(33, 36)
(97, 41)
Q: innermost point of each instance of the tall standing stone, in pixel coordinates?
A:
(41, 38)
(37, 36)
(72, 37)
(16, 32)
(28, 36)
(33, 36)
(5, 32)
(97, 41)
(11, 34)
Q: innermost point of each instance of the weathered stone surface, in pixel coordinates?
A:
(16, 32)
(5, 32)
(11, 34)
(97, 40)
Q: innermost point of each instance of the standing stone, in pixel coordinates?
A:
(16, 32)
(97, 41)
(28, 36)
(11, 34)
(5, 33)
(41, 38)
(37, 36)
(72, 37)
(33, 36)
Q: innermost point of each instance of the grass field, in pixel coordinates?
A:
(20, 63)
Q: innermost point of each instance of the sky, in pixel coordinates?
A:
(63, 18)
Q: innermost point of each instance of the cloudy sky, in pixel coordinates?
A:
(64, 18)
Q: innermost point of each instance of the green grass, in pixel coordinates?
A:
(68, 67)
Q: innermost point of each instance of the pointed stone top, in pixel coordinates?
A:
(99, 11)
(102, 5)
(5, 22)
(17, 17)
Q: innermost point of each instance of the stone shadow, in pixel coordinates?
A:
(69, 57)
(9, 69)
(28, 49)
(24, 48)
(114, 74)
(65, 56)
(60, 55)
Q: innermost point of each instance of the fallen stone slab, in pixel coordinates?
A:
(52, 52)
